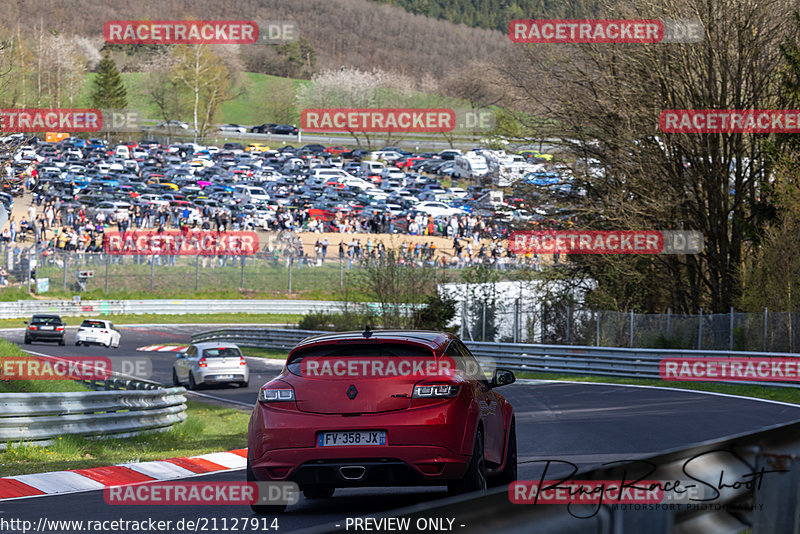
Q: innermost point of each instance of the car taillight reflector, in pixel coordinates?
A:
(275, 395)
(242, 361)
(202, 362)
(435, 390)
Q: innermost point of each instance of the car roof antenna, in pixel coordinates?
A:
(367, 332)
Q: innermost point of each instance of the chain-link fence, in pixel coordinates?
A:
(495, 317)
(531, 321)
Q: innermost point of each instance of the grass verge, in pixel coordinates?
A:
(208, 428)
(783, 394)
(32, 386)
(199, 318)
(272, 354)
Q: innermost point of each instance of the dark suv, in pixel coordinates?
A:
(46, 328)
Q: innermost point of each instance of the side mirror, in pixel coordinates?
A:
(502, 377)
(26, 322)
(180, 355)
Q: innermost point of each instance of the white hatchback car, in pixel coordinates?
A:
(210, 363)
(97, 332)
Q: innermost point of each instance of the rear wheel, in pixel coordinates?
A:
(475, 477)
(263, 509)
(77, 343)
(175, 381)
(509, 472)
(318, 493)
(27, 339)
(192, 383)
(62, 341)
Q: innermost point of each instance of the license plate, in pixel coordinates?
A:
(47, 327)
(91, 339)
(354, 437)
(224, 377)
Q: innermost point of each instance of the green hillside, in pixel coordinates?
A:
(254, 101)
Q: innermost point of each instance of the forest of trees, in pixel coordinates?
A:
(496, 14)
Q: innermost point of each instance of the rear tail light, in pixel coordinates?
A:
(59, 328)
(242, 361)
(275, 394)
(202, 362)
(435, 391)
(31, 327)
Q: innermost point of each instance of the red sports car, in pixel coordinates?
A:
(383, 408)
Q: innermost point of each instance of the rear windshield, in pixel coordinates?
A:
(371, 350)
(93, 324)
(46, 320)
(223, 352)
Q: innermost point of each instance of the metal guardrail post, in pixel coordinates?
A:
(730, 338)
(597, 328)
(700, 330)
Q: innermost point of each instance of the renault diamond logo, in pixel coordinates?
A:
(352, 392)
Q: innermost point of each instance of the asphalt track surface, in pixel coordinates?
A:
(586, 424)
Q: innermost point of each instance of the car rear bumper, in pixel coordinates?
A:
(46, 335)
(219, 376)
(425, 446)
(92, 339)
(362, 467)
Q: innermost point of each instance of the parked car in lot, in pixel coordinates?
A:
(46, 328)
(262, 128)
(363, 425)
(283, 129)
(437, 209)
(210, 363)
(232, 128)
(173, 124)
(97, 332)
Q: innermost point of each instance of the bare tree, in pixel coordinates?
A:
(206, 77)
(605, 101)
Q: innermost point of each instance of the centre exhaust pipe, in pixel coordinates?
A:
(352, 472)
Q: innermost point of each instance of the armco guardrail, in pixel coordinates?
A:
(26, 308)
(40, 417)
(768, 506)
(264, 338)
(521, 357)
